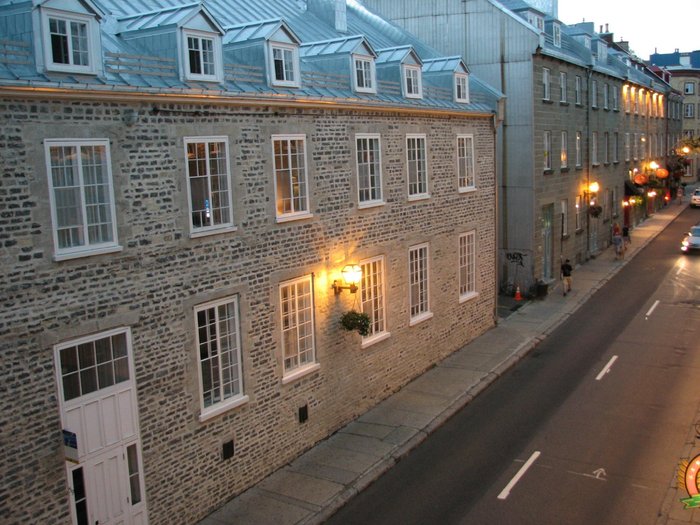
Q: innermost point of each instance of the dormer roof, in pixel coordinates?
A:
(173, 16)
(356, 44)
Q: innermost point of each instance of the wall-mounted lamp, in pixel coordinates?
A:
(352, 275)
(593, 187)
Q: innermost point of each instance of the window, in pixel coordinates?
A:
(564, 217)
(297, 322)
(627, 99)
(418, 283)
(291, 190)
(285, 65)
(594, 93)
(594, 148)
(689, 88)
(635, 146)
(372, 299)
(627, 147)
(218, 343)
(602, 53)
(71, 42)
(615, 98)
(556, 35)
(606, 147)
(578, 91)
(81, 197)
(562, 87)
(615, 203)
(689, 110)
(412, 82)
(606, 96)
(364, 74)
(461, 88)
(417, 167)
(209, 187)
(369, 170)
(467, 265)
(465, 162)
(616, 147)
(203, 57)
(579, 211)
(547, 150)
(564, 156)
(94, 363)
(578, 149)
(545, 84)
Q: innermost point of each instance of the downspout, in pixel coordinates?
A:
(496, 213)
(589, 163)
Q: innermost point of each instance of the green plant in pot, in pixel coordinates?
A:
(353, 320)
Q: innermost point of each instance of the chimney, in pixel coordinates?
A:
(601, 28)
(332, 12)
(606, 28)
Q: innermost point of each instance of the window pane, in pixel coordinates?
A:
(59, 41)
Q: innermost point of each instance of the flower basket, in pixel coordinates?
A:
(353, 320)
(595, 211)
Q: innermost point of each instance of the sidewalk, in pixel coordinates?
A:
(319, 482)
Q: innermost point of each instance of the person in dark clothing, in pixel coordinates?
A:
(566, 270)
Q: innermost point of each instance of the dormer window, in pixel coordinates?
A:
(602, 53)
(71, 42)
(587, 42)
(284, 65)
(556, 33)
(461, 88)
(203, 56)
(536, 21)
(412, 81)
(364, 74)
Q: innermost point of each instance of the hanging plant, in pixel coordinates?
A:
(353, 320)
(595, 210)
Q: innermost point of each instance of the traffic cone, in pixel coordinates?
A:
(518, 297)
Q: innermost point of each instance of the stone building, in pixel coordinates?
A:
(565, 127)
(183, 185)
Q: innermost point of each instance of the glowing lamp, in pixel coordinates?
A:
(352, 275)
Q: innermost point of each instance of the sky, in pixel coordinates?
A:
(647, 25)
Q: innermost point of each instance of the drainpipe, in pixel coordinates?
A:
(589, 163)
(496, 213)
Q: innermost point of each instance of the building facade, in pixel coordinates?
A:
(564, 176)
(183, 186)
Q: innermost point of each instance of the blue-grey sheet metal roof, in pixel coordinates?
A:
(256, 30)
(396, 54)
(520, 5)
(177, 16)
(344, 45)
(451, 64)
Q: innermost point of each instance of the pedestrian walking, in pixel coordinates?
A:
(617, 242)
(626, 239)
(566, 270)
(679, 194)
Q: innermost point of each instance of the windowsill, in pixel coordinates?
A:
(414, 95)
(548, 171)
(365, 91)
(373, 204)
(87, 253)
(469, 189)
(595, 164)
(373, 340)
(468, 296)
(299, 373)
(564, 169)
(203, 78)
(565, 236)
(606, 109)
(579, 105)
(547, 101)
(67, 68)
(419, 319)
(579, 167)
(616, 162)
(220, 408)
(594, 107)
(616, 110)
(579, 231)
(422, 197)
(563, 103)
(214, 231)
(278, 83)
(606, 164)
(294, 217)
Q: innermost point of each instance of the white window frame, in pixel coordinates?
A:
(579, 137)
(547, 150)
(292, 60)
(214, 227)
(371, 160)
(466, 172)
(594, 93)
(564, 154)
(373, 299)
(689, 88)
(627, 147)
(412, 81)
(579, 211)
(291, 322)
(303, 212)
(419, 283)
(461, 88)
(606, 96)
(689, 110)
(635, 146)
(594, 148)
(93, 41)
(546, 94)
(578, 90)
(364, 64)
(556, 35)
(467, 266)
(217, 59)
(86, 248)
(563, 80)
(616, 147)
(419, 164)
(237, 397)
(565, 217)
(616, 98)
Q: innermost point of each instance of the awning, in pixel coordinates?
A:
(632, 190)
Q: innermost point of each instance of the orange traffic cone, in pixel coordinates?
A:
(518, 297)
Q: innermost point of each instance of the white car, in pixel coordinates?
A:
(695, 199)
(692, 240)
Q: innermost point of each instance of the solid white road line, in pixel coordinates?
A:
(653, 307)
(506, 491)
(606, 369)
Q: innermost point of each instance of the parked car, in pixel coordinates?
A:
(691, 241)
(695, 199)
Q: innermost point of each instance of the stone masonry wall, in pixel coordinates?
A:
(161, 274)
